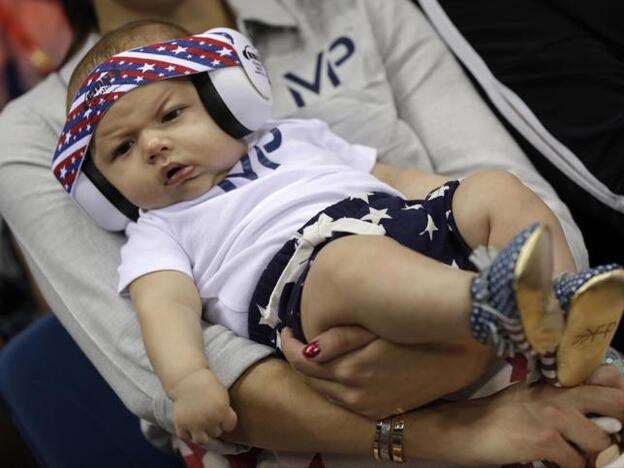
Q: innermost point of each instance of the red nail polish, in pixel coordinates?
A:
(312, 349)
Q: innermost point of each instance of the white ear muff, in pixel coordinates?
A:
(102, 211)
(249, 107)
(245, 90)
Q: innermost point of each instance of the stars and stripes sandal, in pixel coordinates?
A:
(513, 305)
(593, 303)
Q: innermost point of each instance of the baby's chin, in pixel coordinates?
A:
(189, 194)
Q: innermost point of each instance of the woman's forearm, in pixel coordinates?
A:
(277, 410)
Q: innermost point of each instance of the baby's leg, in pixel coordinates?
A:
(491, 207)
(407, 297)
(397, 293)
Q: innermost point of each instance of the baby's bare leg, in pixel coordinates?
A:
(377, 283)
(398, 294)
(491, 207)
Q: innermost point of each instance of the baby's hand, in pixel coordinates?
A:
(202, 407)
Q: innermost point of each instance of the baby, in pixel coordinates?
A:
(258, 224)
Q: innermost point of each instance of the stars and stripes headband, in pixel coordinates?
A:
(238, 100)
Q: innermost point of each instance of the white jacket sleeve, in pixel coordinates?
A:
(435, 98)
(74, 262)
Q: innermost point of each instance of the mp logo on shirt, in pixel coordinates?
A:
(339, 51)
(258, 159)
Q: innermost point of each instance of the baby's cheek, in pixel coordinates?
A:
(143, 197)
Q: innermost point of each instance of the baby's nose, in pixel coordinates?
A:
(157, 151)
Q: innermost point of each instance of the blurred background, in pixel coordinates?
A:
(34, 39)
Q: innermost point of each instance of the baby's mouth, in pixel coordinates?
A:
(174, 173)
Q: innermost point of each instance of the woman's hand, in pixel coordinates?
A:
(523, 424)
(376, 378)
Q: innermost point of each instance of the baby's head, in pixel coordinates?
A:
(157, 145)
(153, 125)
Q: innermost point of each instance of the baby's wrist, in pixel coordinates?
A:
(184, 382)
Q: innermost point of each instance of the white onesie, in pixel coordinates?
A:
(225, 238)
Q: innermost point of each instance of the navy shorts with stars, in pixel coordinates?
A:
(425, 226)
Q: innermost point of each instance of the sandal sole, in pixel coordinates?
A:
(593, 317)
(541, 317)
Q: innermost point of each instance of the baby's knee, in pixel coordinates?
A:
(499, 187)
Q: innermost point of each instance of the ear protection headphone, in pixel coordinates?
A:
(230, 80)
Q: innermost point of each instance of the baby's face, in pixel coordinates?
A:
(158, 146)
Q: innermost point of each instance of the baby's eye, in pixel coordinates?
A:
(122, 149)
(171, 115)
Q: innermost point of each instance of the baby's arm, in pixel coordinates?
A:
(412, 183)
(169, 309)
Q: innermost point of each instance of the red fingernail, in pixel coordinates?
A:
(312, 349)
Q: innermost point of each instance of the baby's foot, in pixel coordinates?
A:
(513, 306)
(593, 303)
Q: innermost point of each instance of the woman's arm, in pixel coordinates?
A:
(278, 411)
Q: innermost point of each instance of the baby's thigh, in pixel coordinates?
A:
(337, 278)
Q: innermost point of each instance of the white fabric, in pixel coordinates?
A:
(225, 238)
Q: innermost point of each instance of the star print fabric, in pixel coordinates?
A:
(426, 226)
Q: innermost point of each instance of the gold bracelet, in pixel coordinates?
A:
(396, 439)
(381, 444)
(376, 441)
